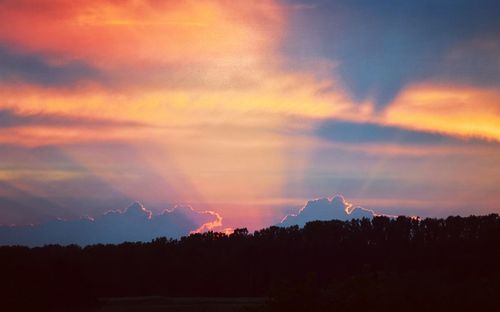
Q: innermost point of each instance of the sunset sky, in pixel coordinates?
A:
(248, 109)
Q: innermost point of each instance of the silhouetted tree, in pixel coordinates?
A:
(372, 265)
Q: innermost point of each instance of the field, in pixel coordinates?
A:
(157, 304)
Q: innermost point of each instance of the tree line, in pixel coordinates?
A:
(377, 264)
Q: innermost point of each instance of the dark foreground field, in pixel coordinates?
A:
(384, 264)
(162, 304)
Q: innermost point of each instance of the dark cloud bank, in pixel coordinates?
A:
(135, 223)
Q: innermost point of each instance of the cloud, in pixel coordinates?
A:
(382, 46)
(459, 110)
(42, 183)
(11, 119)
(165, 44)
(355, 132)
(207, 226)
(326, 209)
(110, 33)
(35, 69)
(20, 206)
(134, 223)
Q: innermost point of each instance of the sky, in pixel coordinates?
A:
(246, 110)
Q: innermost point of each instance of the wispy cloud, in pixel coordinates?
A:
(359, 133)
(12, 119)
(26, 68)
